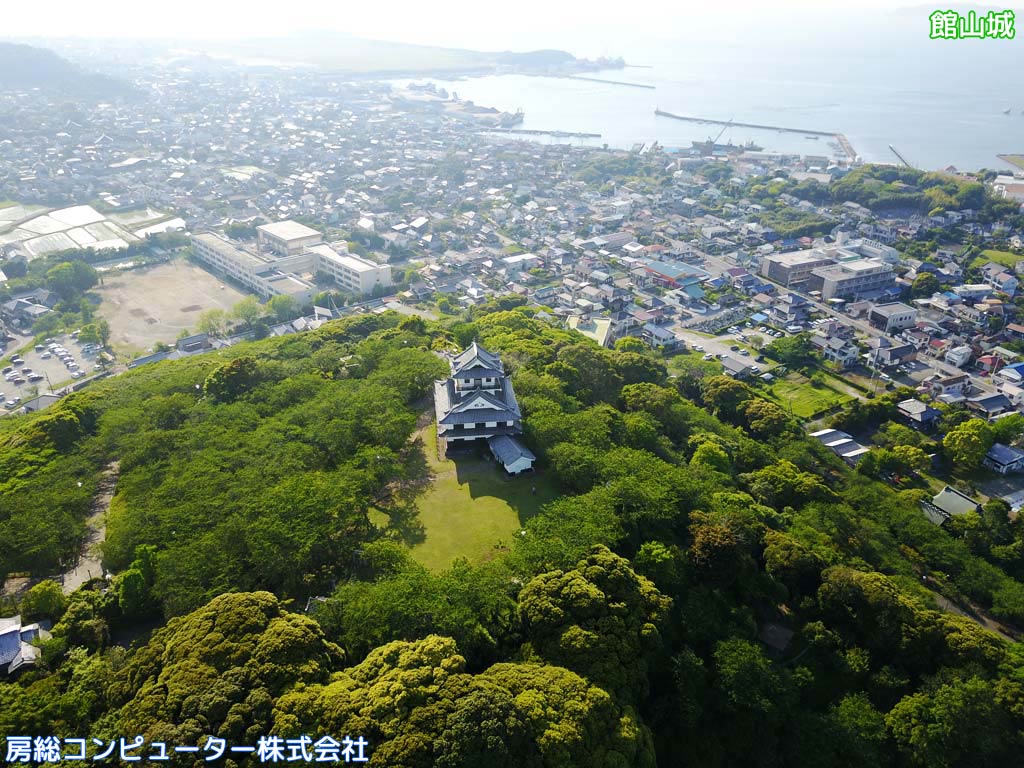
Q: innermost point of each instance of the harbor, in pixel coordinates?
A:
(537, 132)
(843, 142)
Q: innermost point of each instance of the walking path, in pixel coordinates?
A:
(89, 565)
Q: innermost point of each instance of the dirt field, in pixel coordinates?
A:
(144, 306)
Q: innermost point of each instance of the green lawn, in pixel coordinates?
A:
(472, 509)
(795, 393)
(1005, 258)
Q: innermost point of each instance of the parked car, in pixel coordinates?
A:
(18, 381)
(699, 348)
(709, 356)
(8, 369)
(35, 377)
(10, 404)
(45, 355)
(744, 353)
(77, 374)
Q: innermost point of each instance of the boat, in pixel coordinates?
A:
(1006, 111)
(812, 138)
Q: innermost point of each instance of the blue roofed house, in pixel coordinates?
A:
(476, 404)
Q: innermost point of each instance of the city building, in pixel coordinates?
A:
(793, 267)
(892, 317)
(272, 275)
(852, 279)
(259, 275)
(286, 238)
(351, 273)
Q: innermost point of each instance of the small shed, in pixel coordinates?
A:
(512, 454)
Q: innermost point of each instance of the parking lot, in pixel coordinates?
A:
(54, 373)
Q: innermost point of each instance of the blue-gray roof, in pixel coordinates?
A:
(1004, 454)
(508, 450)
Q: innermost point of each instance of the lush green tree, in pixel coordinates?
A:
(599, 619)
(793, 351)
(417, 705)
(213, 322)
(961, 723)
(967, 444)
(232, 380)
(723, 395)
(71, 278)
(630, 344)
(282, 307)
(216, 671)
(44, 600)
(248, 311)
(925, 284)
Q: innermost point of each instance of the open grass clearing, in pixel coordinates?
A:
(471, 508)
(799, 396)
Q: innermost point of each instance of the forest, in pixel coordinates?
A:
(711, 588)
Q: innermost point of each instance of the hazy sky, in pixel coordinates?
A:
(585, 26)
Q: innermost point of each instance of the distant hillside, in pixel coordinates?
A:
(25, 66)
(335, 52)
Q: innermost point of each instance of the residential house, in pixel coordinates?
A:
(918, 414)
(1000, 278)
(1004, 459)
(988, 406)
(959, 356)
(951, 385)
(659, 337)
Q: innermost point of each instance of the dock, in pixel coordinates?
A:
(843, 141)
(536, 132)
(610, 82)
(901, 157)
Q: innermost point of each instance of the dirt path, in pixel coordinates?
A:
(974, 615)
(89, 562)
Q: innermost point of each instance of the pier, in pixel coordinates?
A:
(843, 141)
(901, 157)
(610, 82)
(536, 132)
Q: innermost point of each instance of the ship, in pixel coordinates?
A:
(711, 147)
(509, 119)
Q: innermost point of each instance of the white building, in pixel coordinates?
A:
(891, 317)
(270, 274)
(286, 238)
(263, 277)
(350, 272)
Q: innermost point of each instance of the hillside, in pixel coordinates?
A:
(338, 53)
(710, 587)
(26, 66)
